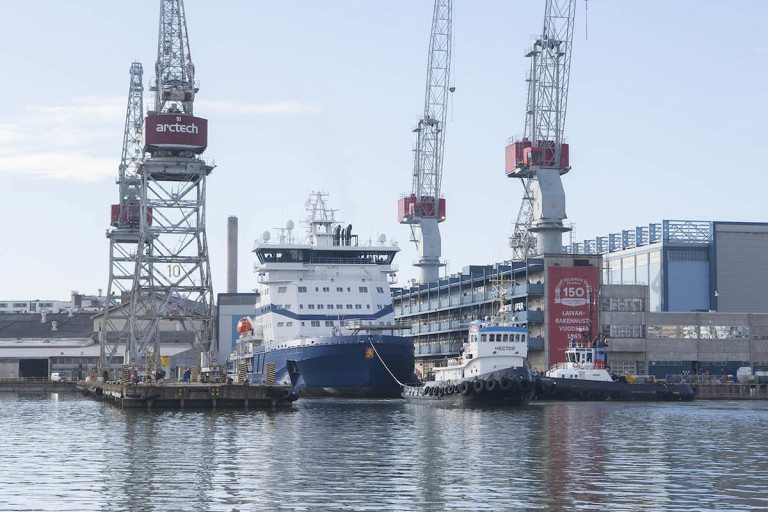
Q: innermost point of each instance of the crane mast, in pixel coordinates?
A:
(124, 232)
(423, 208)
(541, 156)
(172, 278)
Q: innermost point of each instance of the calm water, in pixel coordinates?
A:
(63, 452)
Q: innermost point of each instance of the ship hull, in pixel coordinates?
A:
(512, 387)
(551, 388)
(345, 366)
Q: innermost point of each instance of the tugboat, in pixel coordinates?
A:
(491, 370)
(584, 377)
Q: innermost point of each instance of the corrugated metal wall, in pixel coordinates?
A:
(742, 267)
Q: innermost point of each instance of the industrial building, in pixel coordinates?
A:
(77, 302)
(709, 279)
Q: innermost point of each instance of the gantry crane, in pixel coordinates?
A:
(124, 232)
(541, 156)
(172, 278)
(423, 208)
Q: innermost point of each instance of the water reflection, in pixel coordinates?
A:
(66, 453)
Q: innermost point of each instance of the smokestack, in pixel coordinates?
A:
(232, 254)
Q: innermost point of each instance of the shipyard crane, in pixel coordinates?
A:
(123, 234)
(172, 278)
(423, 209)
(541, 157)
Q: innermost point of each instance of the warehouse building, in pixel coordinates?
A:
(703, 268)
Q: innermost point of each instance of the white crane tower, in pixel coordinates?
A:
(541, 157)
(423, 209)
(172, 279)
(124, 232)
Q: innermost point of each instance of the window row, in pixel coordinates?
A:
(623, 331)
(710, 332)
(318, 323)
(338, 306)
(622, 304)
(303, 289)
(499, 337)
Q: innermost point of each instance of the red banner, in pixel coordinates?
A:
(574, 308)
(176, 131)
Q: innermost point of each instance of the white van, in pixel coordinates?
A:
(58, 376)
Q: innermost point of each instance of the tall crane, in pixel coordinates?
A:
(172, 278)
(424, 209)
(124, 232)
(541, 157)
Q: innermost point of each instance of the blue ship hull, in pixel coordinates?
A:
(342, 365)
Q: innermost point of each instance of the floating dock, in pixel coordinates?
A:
(183, 395)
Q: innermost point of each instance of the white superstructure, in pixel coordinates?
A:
(582, 362)
(329, 285)
(488, 348)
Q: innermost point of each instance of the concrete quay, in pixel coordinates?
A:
(35, 386)
(730, 391)
(183, 395)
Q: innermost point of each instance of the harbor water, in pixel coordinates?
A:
(63, 452)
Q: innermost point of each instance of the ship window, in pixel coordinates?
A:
(302, 289)
(363, 289)
(349, 306)
(289, 324)
(349, 289)
(310, 306)
(326, 289)
(379, 306)
(506, 337)
(320, 306)
(301, 306)
(358, 306)
(280, 324)
(483, 337)
(329, 306)
(339, 288)
(302, 324)
(339, 306)
(315, 323)
(380, 289)
(589, 357)
(367, 306)
(282, 289)
(329, 323)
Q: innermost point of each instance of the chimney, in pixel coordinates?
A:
(54, 325)
(232, 254)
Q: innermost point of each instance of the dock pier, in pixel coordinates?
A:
(183, 395)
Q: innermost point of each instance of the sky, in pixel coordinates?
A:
(666, 118)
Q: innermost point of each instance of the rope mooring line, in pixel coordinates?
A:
(383, 363)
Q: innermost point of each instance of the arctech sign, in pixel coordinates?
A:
(169, 131)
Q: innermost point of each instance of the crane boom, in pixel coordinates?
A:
(423, 209)
(541, 156)
(175, 85)
(124, 231)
